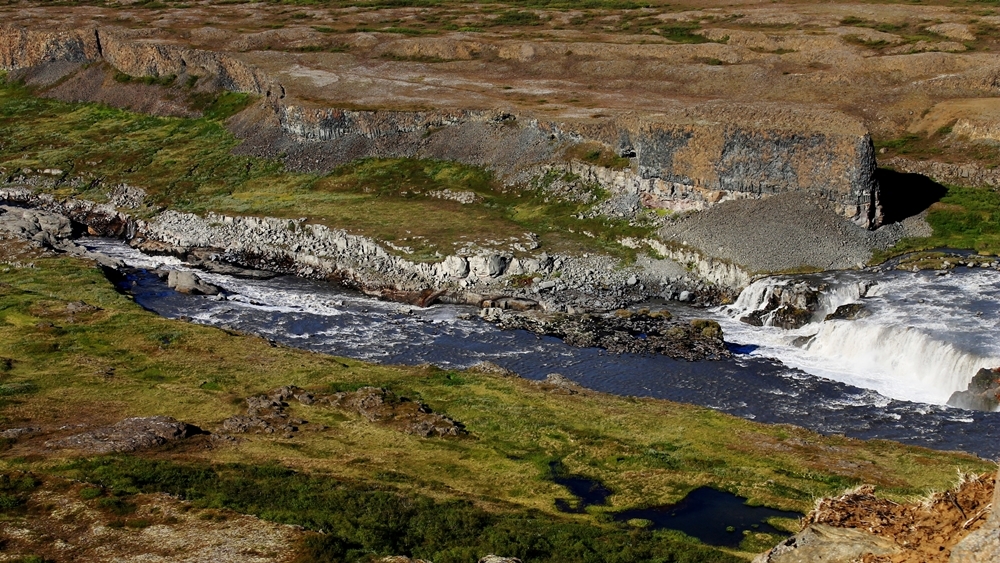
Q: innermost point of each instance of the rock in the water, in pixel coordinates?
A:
(849, 312)
(129, 435)
(189, 282)
(820, 543)
(640, 332)
(983, 393)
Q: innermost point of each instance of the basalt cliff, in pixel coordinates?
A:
(688, 156)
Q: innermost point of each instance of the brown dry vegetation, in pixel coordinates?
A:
(895, 66)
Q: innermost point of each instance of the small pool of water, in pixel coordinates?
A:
(586, 492)
(714, 517)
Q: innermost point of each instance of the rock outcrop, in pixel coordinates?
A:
(689, 158)
(954, 526)
(129, 435)
(190, 283)
(983, 393)
(268, 413)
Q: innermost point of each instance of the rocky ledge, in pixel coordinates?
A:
(632, 332)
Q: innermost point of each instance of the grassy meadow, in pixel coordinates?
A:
(98, 366)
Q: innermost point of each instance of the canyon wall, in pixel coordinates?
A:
(688, 159)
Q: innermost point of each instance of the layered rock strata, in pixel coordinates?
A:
(688, 158)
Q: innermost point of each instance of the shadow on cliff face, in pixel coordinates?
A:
(905, 195)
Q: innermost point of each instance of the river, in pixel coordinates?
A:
(885, 376)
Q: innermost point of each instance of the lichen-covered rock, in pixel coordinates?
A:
(129, 435)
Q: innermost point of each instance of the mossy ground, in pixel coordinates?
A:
(965, 218)
(100, 366)
(187, 165)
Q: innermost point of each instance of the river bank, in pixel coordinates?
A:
(94, 365)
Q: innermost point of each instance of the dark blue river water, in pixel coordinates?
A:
(318, 316)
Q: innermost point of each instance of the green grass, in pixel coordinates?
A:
(187, 165)
(965, 218)
(359, 520)
(648, 452)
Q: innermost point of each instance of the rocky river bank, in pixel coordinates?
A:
(518, 292)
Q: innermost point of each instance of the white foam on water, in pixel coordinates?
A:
(926, 337)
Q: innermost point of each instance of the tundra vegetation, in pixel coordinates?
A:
(364, 490)
(371, 489)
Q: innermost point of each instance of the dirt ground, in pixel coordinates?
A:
(903, 69)
(926, 530)
(62, 520)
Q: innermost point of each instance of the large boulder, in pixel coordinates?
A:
(983, 393)
(189, 282)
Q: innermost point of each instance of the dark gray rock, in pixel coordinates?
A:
(129, 435)
(849, 312)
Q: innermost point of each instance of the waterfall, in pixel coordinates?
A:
(922, 338)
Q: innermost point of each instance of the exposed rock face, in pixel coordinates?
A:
(955, 526)
(825, 544)
(983, 393)
(23, 48)
(39, 226)
(129, 435)
(690, 158)
(789, 307)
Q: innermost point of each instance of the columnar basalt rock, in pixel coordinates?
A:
(687, 159)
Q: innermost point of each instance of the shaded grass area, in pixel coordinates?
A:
(359, 521)
(99, 366)
(187, 165)
(965, 218)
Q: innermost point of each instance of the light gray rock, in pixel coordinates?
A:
(498, 559)
(488, 266)
(825, 544)
(455, 267)
(189, 282)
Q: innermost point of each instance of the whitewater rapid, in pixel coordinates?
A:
(761, 382)
(925, 337)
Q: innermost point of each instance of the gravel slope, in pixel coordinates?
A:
(783, 232)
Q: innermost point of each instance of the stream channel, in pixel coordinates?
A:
(885, 376)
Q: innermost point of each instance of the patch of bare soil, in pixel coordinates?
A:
(66, 521)
(925, 531)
